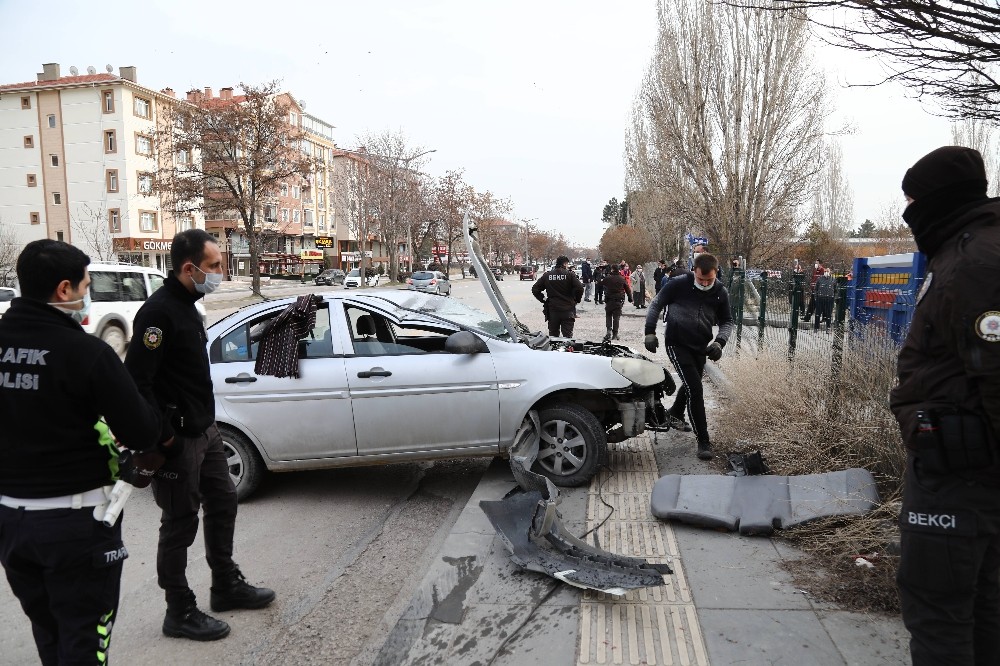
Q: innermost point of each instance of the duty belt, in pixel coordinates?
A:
(76, 501)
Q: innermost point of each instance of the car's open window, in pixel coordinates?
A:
(374, 334)
(240, 344)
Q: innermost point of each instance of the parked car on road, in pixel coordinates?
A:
(353, 279)
(330, 277)
(401, 375)
(527, 273)
(7, 294)
(434, 282)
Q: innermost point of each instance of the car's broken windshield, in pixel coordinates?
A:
(453, 311)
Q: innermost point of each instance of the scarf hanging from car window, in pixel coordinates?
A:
(278, 353)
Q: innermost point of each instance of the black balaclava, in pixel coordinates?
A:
(943, 184)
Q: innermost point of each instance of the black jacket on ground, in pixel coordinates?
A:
(951, 356)
(563, 288)
(691, 313)
(169, 362)
(56, 381)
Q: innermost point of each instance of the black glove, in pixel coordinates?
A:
(714, 350)
(651, 344)
(139, 469)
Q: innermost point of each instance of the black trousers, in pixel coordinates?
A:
(949, 568)
(561, 322)
(639, 298)
(202, 482)
(65, 568)
(613, 314)
(824, 311)
(599, 292)
(690, 367)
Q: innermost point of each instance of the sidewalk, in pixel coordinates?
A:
(728, 601)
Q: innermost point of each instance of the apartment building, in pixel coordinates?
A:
(77, 159)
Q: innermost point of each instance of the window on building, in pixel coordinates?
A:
(52, 121)
(114, 220)
(26, 102)
(284, 189)
(321, 199)
(183, 156)
(110, 142)
(56, 198)
(59, 236)
(108, 97)
(29, 142)
(295, 192)
(322, 220)
(32, 180)
(143, 145)
(185, 222)
(54, 159)
(145, 183)
(293, 118)
(142, 107)
(111, 178)
(35, 218)
(307, 217)
(284, 215)
(296, 215)
(270, 213)
(147, 221)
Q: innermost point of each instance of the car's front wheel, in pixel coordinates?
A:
(245, 466)
(573, 445)
(115, 337)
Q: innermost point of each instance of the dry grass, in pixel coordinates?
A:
(806, 419)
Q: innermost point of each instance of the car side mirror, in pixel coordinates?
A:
(465, 342)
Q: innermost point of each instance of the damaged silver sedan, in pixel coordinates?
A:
(398, 376)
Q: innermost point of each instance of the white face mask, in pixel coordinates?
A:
(211, 283)
(78, 315)
(704, 287)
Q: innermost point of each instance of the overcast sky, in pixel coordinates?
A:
(531, 99)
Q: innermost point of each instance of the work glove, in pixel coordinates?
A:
(651, 342)
(714, 350)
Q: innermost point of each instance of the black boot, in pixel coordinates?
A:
(184, 620)
(705, 450)
(231, 590)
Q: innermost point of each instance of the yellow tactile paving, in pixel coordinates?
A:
(651, 625)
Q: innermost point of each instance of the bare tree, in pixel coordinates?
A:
(222, 156)
(10, 248)
(727, 135)
(833, 201)
(947, 50)
(91, 223)
(981, 135)
(452, 198)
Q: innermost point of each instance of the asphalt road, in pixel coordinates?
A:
(344, 550)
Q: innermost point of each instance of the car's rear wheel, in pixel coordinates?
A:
(114, 335)
(572, 447)
(245, 466)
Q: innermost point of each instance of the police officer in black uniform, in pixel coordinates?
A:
(169, 362)
(947, 403)
(564, 290)
(56, 467)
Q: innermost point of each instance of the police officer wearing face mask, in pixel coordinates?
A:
(169, 362)
(57, 462)
(697, 301)
(947, 402)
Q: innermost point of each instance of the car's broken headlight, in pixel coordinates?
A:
(638, 371)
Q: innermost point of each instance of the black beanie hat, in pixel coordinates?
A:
(946, 167)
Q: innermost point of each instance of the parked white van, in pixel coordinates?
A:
(117, 291)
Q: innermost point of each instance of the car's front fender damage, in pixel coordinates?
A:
(531, 528)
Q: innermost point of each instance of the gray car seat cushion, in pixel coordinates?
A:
(761, 504)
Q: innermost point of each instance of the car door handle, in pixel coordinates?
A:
(236, 380)
(374, 372)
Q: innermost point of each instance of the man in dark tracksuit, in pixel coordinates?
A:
(564, 291)
(615, 293)
(56, 468)
(947, 403)
(695, 303)
(169, 362)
